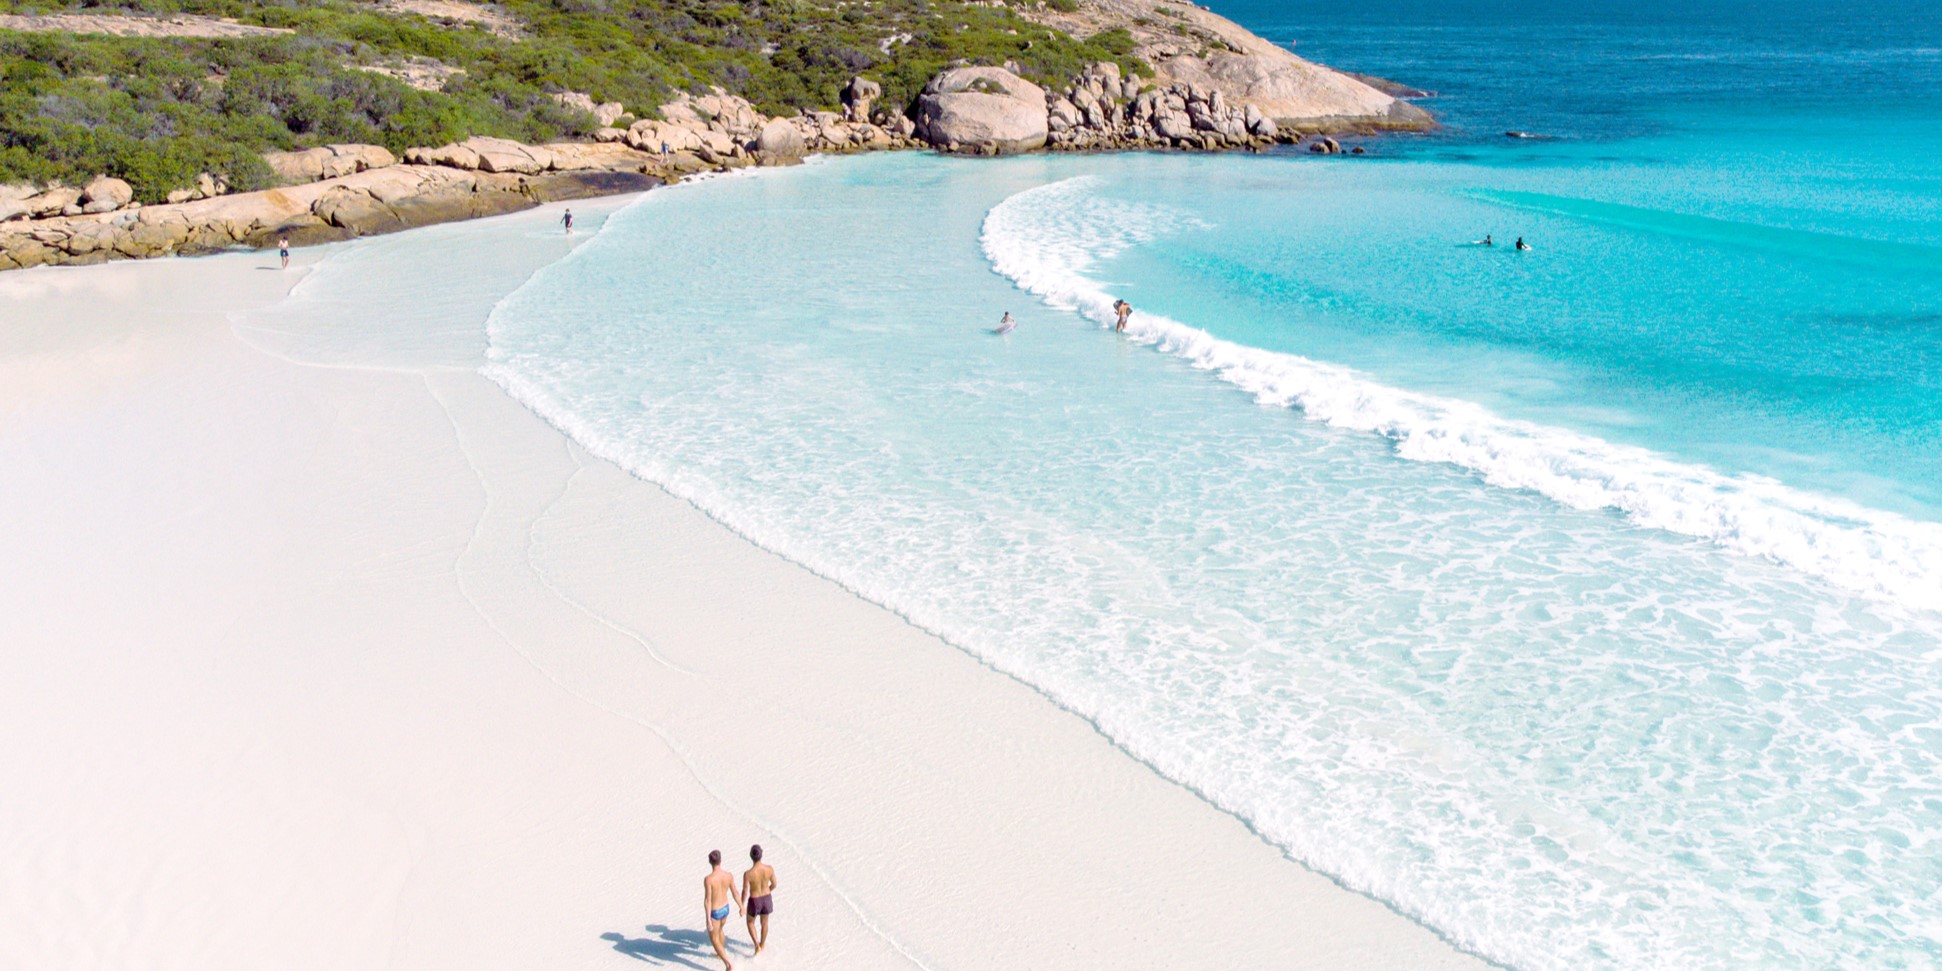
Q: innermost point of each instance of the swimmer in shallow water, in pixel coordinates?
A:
(1124, 310)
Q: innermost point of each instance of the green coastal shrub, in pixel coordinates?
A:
(158, 111)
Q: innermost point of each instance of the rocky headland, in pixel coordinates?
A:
(1214, 86)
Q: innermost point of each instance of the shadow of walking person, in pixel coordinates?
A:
(666, 946)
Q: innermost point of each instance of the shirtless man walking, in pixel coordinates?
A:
(717, 895)
(757, 884)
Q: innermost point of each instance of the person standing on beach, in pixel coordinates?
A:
(283, 250)
(717, 896)
(757, 886)
(1124, 310)
(567, 221)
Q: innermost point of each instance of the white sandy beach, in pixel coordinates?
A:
(339, 667)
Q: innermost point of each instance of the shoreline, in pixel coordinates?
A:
(399, 592)
(317, 213)
(1232, 92)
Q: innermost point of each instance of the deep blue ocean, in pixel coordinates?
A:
(1584, 604)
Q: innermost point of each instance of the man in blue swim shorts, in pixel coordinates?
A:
(717, 898)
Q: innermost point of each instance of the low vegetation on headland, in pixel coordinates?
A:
(157, 111)
(142, 128)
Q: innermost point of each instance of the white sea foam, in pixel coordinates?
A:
(1047, 239)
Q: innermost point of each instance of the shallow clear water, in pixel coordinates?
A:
(1558, 736)
(1585, 604)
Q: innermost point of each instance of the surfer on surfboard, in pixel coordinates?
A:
(1005, 324)
(1521, 245)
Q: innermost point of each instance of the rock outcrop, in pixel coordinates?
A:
(13, 201)
(477, 177)
(105, 195)
(102, 194)
(484, 154)
(982, 110)
(781, 138)
(1101, 110)
(604, 113)
(328, 162)
(1190, 46)
(858, 96)
(373, 201)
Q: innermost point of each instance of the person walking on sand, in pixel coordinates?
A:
(758, 886)
(1124, 310)
(567, 221)
(717, 896)
(283, 250)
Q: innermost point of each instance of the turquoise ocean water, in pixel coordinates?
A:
(1583, 604)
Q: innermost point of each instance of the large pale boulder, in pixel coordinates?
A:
(780, 137)
(858, 95)
(1062, 115)
(13, 201)
(364, 157)
(725, 112)
(506, 155)
(717, 142)
(605, 113)
(327, 162)
(656, 136)
(106, 195)
(580, 156)
(1260, 125)
(1174, 125)
(53, 202)
(717, 111)
(457, 156)
(982, 110)
(350, 208)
